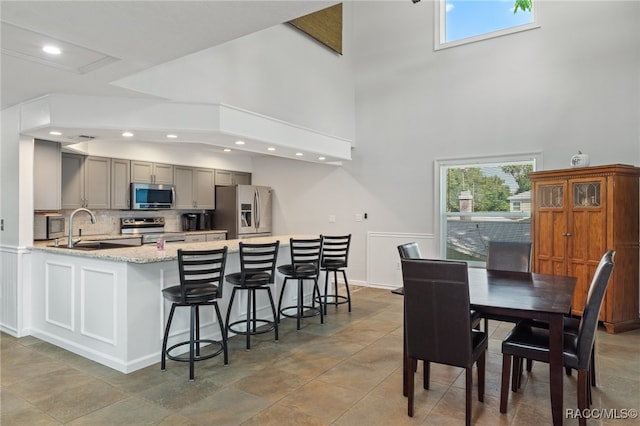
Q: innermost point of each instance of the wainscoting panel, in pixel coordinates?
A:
(383, 260)
(9, 290)
(59, 295)
(98, 307)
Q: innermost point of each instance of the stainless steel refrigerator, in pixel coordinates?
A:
(243, 210)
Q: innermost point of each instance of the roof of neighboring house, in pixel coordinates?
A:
(471, 236)
(526, 195)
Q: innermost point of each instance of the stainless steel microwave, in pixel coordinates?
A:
(152, 196)
(48, 226)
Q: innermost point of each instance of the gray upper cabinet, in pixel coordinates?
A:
(194, 188)
(145, 172)
(86, 182)
(46, 175)
(229, 178)
(120, 180)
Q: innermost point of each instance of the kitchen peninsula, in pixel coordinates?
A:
(106, 305)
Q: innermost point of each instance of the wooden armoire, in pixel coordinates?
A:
(577, 215)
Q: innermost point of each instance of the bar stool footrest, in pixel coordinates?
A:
(333, 299)
(185, 356)
(260, 323)
(307, 311)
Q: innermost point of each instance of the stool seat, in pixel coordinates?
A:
(250, 279)
(305, 270)
(201, 273)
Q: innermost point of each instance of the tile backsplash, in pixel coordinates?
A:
(108, 221)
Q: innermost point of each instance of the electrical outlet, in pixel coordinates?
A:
(397, 266)
(358, 217)
(332, 218)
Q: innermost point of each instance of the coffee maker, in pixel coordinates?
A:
(189, 222)
(205, 221)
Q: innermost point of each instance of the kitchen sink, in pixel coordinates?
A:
(96, 245)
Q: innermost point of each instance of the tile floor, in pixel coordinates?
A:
(345, 372)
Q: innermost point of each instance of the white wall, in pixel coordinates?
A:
(279, 72)
(572, 84)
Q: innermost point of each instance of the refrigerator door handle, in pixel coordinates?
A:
(256, 206)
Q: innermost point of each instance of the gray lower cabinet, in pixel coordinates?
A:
(217, 236)
(199, 238)
(86, 182)
(46, 175)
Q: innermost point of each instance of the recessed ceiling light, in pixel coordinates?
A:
(54, 133)
(127, 134)
(299, 154)
(271, 148)
(53, 50)
(226, 150)
(321, 158)
(239, 142)
(172, 136)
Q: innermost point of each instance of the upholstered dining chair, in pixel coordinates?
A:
(201, 275)
(438, 323)
(507, 256)
(412, 251)
(529, 342)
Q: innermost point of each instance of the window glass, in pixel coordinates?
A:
(483, 200)
(465, 21)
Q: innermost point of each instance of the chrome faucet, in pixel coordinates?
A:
(71, 242)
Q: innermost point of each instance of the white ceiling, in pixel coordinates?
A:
(113, 39)
(118, 38)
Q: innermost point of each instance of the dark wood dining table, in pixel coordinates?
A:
(525, 296)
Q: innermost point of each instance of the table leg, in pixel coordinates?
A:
(405, 376)
(555, 367)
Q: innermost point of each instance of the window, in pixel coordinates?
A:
(466, 21)
(477, 198)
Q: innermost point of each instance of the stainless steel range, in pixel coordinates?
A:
(151, 229)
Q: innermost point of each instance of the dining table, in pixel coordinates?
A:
(524, 295)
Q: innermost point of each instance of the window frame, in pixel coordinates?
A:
(439, 27)
(440, 191)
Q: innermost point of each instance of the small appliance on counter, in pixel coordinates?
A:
(48, 226)
(190, 222)
(205, 221)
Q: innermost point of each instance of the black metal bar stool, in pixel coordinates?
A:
(201, 273)
(335, 256)
(305, 265)
(257, 272)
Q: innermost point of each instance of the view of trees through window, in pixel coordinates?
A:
(485, 202)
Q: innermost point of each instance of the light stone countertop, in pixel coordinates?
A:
(148, 253)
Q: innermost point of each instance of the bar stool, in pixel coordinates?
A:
(305, 265)
(201, 273)
(257, 272)
(335, 255)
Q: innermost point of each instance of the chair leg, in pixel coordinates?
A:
(248, 326)
(229, 308)
(486, 326)
(504, 386)
(426, 374)
(326, 288)
(284, 285)
(592, 367)
(192, 342)
(481, 365)
(315, 290)
(223, 331)
(529, 365)
(468, 386)
(583, 385)
(197, 330)
(410, 385)
(163, 361)
(346, 285)
(300, 296)
(273, 309)
(515, 374)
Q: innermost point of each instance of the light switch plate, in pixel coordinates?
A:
(358, 217)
